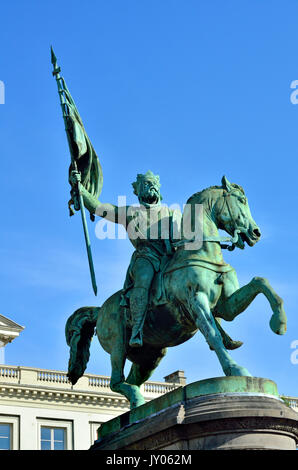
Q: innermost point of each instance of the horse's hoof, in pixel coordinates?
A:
(277, 325)
(135, 397)
(230, 345)
(234, 345)
(138, 402)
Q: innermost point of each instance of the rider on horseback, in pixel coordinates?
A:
(153, 225)
(150, 229)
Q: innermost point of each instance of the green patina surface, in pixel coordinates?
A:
(177, 282)
(216, 385)
(109, 427)
(237, 384)
(157, 405)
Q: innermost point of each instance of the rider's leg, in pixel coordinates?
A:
(143, 273)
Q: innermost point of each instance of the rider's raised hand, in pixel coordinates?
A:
(75, 177)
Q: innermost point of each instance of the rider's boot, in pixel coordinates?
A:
(138, 308)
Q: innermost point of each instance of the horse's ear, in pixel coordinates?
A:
(226, 184)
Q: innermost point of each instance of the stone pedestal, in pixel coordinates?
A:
(219, 413)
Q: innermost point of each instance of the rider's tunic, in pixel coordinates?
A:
(151, 230)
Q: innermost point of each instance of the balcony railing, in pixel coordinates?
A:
(99, 381)
(292, 401)
(52, 377)
(32, 377)
(9, 372)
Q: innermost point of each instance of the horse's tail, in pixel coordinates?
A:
(79, 330)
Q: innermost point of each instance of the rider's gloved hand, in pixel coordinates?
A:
(75, 177)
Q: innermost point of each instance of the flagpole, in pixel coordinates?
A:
(56, 74)
(86, 234)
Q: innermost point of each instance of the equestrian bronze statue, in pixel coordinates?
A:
(177, 282)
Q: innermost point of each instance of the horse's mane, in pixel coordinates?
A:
(200, 195)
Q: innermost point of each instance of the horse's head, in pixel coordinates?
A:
(232, 213)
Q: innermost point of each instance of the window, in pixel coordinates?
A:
(52, 438)
(5, 436)
(54, 434)
(9, 432)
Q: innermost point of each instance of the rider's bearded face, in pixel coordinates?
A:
(149, 192)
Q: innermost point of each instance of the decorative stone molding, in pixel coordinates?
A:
(42, 386)
(9, 330)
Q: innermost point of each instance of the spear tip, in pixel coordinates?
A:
(53, 57)
(57, 69)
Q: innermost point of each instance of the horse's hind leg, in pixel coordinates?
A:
(118, 383)
(148, 359)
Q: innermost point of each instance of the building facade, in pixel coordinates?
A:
(41, 410)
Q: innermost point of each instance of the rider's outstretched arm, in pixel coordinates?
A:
(94, 206)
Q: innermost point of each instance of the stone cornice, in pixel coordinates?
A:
(9, 330)
(24, 386)
(40, 395)
(7, 324)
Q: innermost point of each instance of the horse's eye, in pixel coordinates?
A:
(243, 200)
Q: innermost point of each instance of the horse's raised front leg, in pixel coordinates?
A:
(236, 301)
(205, 322)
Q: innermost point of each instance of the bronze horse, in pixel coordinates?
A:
(200, 289)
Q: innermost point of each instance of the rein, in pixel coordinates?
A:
(233, 240)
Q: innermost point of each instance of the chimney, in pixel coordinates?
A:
(177, 377)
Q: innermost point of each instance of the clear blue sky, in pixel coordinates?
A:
(189, 89)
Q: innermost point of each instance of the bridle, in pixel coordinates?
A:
(226, 197)
(233, 240)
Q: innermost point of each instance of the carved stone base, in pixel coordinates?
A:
(220, 413)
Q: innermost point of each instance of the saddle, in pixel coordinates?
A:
(158, 294)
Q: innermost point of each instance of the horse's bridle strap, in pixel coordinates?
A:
(232, 240)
